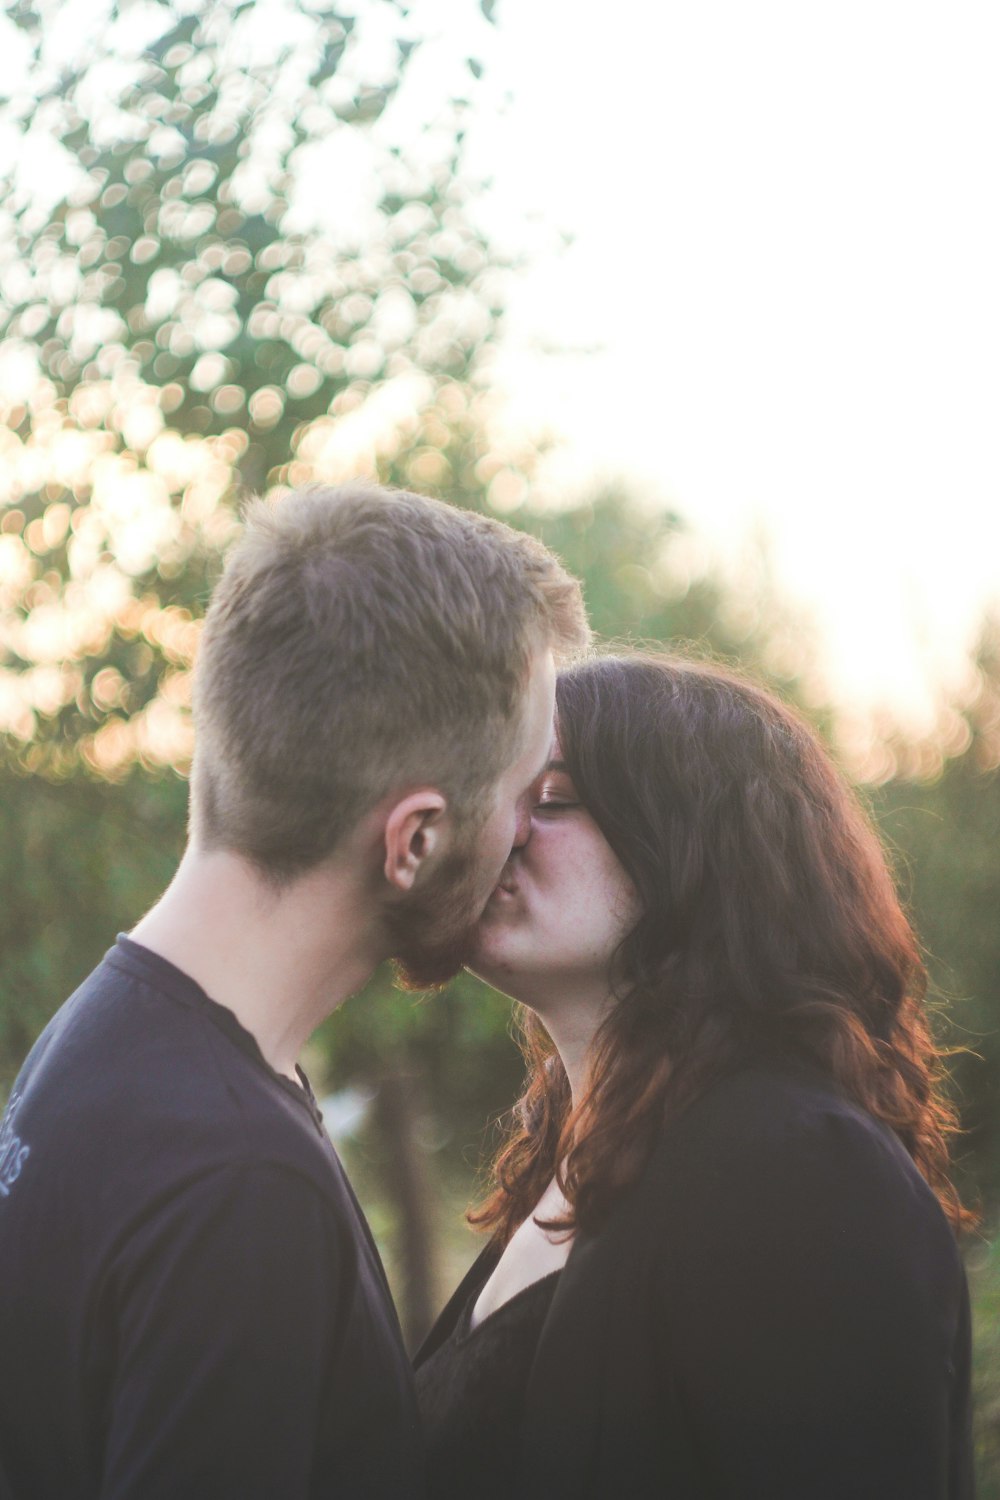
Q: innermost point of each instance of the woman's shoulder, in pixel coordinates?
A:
(767, 1104)
(784, 1138)
(773, 1191)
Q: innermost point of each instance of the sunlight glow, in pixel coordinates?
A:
(782, 286)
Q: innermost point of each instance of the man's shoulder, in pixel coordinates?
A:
(129, 1079)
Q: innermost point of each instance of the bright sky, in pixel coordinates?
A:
(782, 286)
(787, 242)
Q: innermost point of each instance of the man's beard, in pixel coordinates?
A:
(433, 931)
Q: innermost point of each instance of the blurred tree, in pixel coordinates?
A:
(984, 1282)
(243, 238)
(78, 862)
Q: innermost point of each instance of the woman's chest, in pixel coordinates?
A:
(533, 1252)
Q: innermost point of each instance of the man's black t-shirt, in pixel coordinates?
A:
(191, 1304)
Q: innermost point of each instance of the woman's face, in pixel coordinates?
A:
(563, 904)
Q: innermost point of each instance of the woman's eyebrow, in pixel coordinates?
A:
(556, 765)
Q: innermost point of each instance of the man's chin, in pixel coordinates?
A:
(434, 934)
(431, 967)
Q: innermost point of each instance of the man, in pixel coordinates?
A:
(191, 1303)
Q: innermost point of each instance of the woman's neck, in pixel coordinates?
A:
(573, 1027)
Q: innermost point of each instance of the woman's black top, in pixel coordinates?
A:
(471, 1395)
(774, 1310)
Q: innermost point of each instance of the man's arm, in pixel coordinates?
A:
(226, 1306)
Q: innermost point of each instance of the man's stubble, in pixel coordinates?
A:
(433, 931)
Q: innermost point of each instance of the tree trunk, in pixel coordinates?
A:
(410, 1192)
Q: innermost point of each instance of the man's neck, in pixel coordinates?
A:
(281, 961)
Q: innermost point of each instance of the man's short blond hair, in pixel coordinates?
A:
(361, 640)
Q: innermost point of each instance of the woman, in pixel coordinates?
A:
(723, 1260)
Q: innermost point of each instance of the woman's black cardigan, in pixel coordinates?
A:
(775, 1310)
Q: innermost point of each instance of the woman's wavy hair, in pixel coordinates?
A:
(770, 925)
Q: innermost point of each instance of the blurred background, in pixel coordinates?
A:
(704, 295)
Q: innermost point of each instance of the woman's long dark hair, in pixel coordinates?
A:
(770, 924)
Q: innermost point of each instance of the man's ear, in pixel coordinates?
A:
(413, 833)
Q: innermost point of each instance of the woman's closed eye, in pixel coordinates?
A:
(556, 795)
(556, 792)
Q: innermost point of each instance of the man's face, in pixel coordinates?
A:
(433, 930)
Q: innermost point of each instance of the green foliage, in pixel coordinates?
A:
(984, 1279)
(176, 250)
(79, 862)
(950, 833)
(193, 313)
(945, 833)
